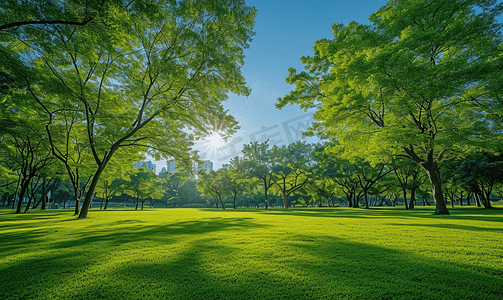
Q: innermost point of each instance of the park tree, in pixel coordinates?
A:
(143, 184)
(291, 169)
(156, 68)
(172, 182)
(238, 182)
(409, 177)
(25, 149)
(213, 184)
(116, 174)
(258, 162)
(421, 82)
(481, 172)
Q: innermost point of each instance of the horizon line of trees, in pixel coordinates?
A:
(298, 174)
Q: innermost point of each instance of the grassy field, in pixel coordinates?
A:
(310, 253)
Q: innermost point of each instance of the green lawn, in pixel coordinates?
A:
(307, 253)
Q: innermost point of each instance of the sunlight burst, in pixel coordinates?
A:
(215, 140)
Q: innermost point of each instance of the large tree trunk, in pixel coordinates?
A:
(436, 188)
(433, 172)
(285, 199)
(477, 199)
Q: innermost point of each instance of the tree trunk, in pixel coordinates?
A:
(404, 190)
(28, 204)
(285, 199)
(43, 198)
(106, 203)
(90, 192)
(477, 199)
(433, 173)
(265, 195)
(412, 202)
(350, 202)
(24, 187)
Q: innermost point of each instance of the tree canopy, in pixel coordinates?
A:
(419, 82)
(144, 74)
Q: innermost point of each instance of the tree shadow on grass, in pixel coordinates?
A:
(56, 268)
(302, 267)
(102, 264)
(468, 213)
(451, 226)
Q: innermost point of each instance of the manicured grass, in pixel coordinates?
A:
(307, 253)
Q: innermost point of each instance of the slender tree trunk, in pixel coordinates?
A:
(412, 202)
(265, 194)
(404, 190)
(365, 196)
(29, 203)
(90, 192)
(106, 203)
(468, 198)
(24, 187)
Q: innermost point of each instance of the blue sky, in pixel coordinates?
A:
(284, 32)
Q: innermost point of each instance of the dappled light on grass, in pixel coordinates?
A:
(253, 254)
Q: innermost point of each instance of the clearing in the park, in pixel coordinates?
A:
(310, 253)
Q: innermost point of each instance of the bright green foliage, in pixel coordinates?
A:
(253, 254)
(292, 165)
(480, 173)
(258, 162)
(213, 184)
(419, 82)
(138, 74)
(171, 186)
(143, 184)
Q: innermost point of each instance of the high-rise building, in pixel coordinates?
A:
(145, 164)
(207, 166)
(171, 166)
